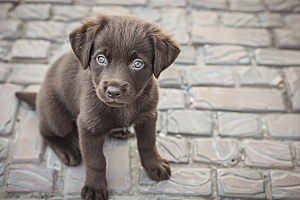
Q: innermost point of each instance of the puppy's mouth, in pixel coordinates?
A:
(115, 104)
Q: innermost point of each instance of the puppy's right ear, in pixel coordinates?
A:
(82, 38)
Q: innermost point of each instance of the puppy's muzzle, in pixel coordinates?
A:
(115, 92)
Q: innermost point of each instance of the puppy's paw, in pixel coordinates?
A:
(157, 169)
(121, 134)
(69, 155)
(89, 192)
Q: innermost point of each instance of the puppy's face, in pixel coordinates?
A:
(122, 53)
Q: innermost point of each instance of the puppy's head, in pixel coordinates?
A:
(122, 53)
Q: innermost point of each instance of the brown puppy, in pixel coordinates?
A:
(107, 82)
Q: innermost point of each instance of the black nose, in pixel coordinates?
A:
(114, 92)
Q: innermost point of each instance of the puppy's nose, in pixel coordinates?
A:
(114, 92)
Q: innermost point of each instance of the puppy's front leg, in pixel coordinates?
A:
(91, 144)
(157, 167)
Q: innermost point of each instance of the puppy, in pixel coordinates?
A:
(107, 82)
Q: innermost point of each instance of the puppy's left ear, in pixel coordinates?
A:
(166, 51)
(82, 38)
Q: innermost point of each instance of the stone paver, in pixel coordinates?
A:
(226, 55)
(292, 20)
(284, 126)
(209, 75)
(28, 74)
(240, 20)
(118, 178)
(175, 150)
(8, 104)
(210, 4)
(239, 125)
(237, 99)
(287, 38)
(171, 78)
(4, 46)
(285, 185)
(187, 55)
(110, 10)
(171, 98)
(216, 151)
(29, 146)
(258, 76)
(270, 20)
(228, 120)
(70, 13)
(32, 12)
(34, 50)
(50, 30)
(246, 5)
(190, 122)
(292, 80)
(10, 29)
(234, 183)
(267, 154)
(217, 35)
(277, 57)
(30, 178)
(204, 18)
(184, 181)
(4, 71)
(4, 9)
(283, 5)
(3, 148)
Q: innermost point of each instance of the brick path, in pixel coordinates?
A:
(228, 118)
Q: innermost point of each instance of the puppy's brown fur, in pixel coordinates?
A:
(70, 93)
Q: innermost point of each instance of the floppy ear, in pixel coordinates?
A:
(166, 51)
(82, 38)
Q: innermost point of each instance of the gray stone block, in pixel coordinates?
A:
(226, 55)
(284, 126)
(297, 152)
(110, 10)
(49, 1)
(268, 154)
(112, 2)
(292, 81)
(203, 18)
(171, 99)
(240, 183)
(2, 167)
(184, 181)
(47, 30)
(240, 20)
(10, 29)
(220, 35)
(246, 5)
(292, 20)
(283, 5)
(270, 20)
(32, 11)
(168, 3)
(4, 9)
(187, 55)
(28, 74)
(212, 151)
(9, 105)
(4, 48)
(237, 99)
(210, 4)
(3, 148)
(190, 122)
(34, 50)
(29, 145)
(4, 71)
(149, 14)
(258, 76)
(209, 75)
(175, 150)
(170, 78)
(285, 185)
(30, 178)
(287, 38)
(277, 57)
(239, 125)
(70, 13)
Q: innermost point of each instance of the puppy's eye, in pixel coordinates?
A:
(101, 60)
(138, 64)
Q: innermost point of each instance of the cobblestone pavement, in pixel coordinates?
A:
(228, 118)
